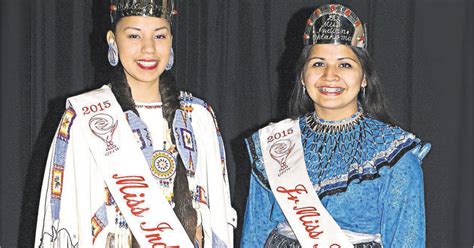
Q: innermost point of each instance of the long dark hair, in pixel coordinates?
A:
(373, 103)
(169, 92)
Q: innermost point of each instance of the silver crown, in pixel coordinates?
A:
(156, 8)
(335, 24)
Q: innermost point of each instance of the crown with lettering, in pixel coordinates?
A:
(335, 24)
(156, 8)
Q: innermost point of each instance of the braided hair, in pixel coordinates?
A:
(182, 196)
(170, 103)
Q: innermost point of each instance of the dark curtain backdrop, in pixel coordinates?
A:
(239, 56)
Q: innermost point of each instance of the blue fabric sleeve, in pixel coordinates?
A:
(402, 203)
(258, 222)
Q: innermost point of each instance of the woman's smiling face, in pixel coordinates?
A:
(144, 45)
(333, 77)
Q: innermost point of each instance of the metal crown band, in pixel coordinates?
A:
(156, 8)
(335, 24)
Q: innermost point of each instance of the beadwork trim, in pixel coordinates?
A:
(319, 124)
(368, 168)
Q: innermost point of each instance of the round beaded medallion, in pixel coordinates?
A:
(163, 164)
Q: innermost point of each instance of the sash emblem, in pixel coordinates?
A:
(103, 126)
(280, 151)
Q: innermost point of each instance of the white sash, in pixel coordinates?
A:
(126, 172)
(283, 158)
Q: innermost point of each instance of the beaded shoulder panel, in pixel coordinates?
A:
(186, 100)
(187, 104)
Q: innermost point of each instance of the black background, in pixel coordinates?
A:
(238, 55)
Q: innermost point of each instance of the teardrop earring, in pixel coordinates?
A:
(170, 61)
(113, 54)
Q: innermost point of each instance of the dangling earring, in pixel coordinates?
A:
(304, 90)
(363, 92)
(113, 54)
(170, 61)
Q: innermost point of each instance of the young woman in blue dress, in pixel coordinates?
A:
(365, 182)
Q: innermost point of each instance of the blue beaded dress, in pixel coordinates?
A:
(367, 174)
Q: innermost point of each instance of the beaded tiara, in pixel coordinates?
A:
(156, 8)
(335, 24)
